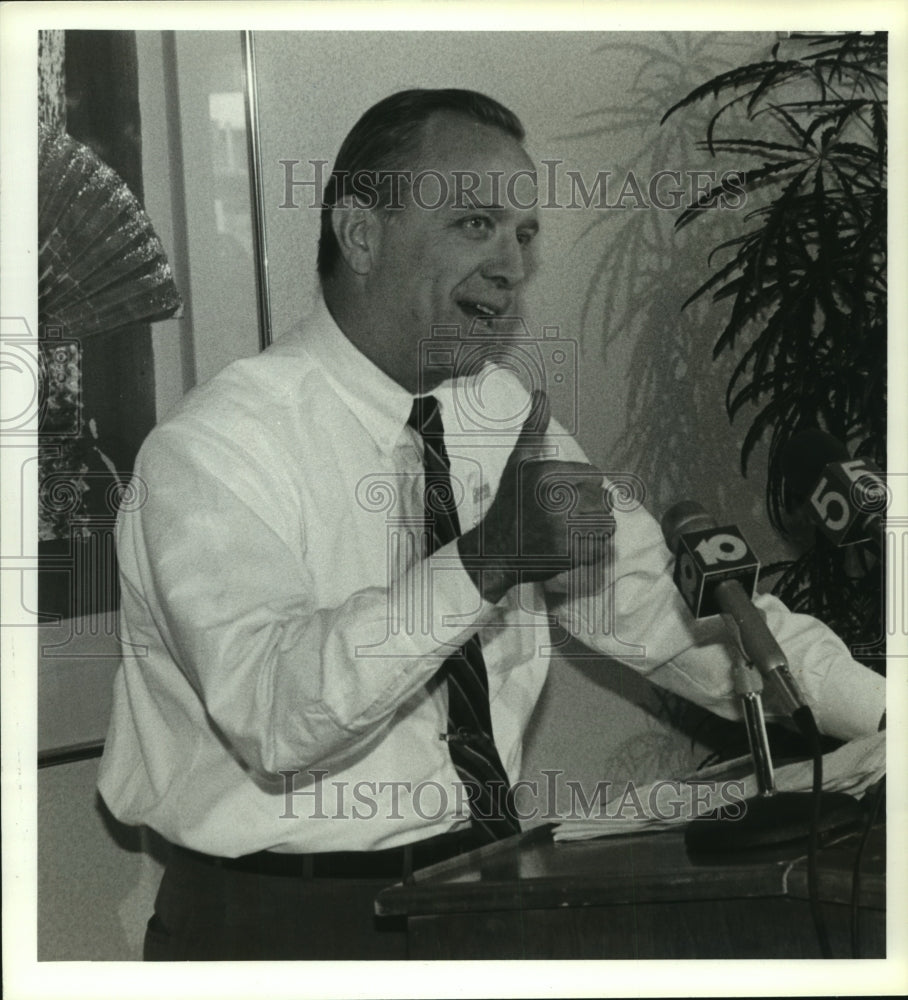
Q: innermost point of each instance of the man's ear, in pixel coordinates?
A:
(357, 230)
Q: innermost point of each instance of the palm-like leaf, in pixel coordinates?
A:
(806, 279)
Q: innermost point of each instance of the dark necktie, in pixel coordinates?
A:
(469, 734)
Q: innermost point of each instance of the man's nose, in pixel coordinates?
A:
(508, 266)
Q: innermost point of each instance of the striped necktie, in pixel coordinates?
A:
(469, 735)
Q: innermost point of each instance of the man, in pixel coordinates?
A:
(341, 574)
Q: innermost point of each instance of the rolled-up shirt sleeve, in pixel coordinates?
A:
(642, 620)
(220, 569)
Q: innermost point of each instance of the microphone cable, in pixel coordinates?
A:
(803, 718)
(870, 820)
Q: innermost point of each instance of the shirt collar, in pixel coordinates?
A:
(375, 399)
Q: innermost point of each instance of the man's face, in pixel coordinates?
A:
(459, 265)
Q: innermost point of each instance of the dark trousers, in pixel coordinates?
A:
(205, 912)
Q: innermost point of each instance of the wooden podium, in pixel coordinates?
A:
(638, 896)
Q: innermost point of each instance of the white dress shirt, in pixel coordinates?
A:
(281, 637)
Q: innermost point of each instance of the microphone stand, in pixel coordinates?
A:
(748, 687)
(771, 817)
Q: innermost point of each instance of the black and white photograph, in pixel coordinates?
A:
(454, 506)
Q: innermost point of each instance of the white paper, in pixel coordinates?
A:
(852, 768)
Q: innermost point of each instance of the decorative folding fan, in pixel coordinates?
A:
(100, 263)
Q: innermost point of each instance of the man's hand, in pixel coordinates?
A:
(525, 534)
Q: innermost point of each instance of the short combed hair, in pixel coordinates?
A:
(387, 133)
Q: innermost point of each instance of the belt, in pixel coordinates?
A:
(391, 863)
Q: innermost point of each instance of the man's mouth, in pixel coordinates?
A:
(497, 318)
(478, 310)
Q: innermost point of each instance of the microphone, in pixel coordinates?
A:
(845, 497)
(716, 573)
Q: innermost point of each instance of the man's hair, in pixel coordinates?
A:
(386, 134)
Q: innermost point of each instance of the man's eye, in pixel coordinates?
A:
(526, 237)
(477, 224)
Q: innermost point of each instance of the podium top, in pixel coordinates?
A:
(530, 871)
